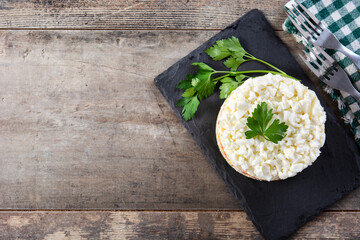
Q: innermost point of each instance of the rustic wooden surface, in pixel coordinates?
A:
(161, 225)
(133, 14)
(83, 127)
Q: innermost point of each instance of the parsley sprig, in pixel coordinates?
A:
(258, 125)
(202, 84)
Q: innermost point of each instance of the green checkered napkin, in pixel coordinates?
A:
(343, 19)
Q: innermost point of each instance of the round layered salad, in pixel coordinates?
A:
(291, 102)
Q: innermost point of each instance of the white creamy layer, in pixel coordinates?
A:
(292, 103)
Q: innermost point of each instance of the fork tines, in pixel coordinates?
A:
(313, 18)
(308, 37)
(313, 29)
(321, 68)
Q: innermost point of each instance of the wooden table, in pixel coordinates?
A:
(89, 148)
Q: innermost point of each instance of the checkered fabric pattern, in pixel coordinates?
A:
(343, 19)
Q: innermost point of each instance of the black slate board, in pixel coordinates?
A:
(276, 208)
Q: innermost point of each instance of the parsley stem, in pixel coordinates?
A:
(262, 61)
(218, 78)
(270, 65)
(250, 71)
(248, 55)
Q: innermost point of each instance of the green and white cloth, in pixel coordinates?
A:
(343, 19)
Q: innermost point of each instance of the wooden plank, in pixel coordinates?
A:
(162, 225)
(133, 14)
(83, 126)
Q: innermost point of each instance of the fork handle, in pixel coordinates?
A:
(355, 94)
(350, 54)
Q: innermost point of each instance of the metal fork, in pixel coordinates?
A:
(318, 34)
(331, 74)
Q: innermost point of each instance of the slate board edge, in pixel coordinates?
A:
(231, 187)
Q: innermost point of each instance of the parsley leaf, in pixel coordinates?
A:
(203, 67)
(259, 122)
(189, 105)
(219, 51)
(240, 77)
(197, 87)
(236, 59)
(233, 63)
(204, 86)
(233, 44)
(194, 81)
(231, 48)
(229, 84)
(189, 93)
(185, 84)
(276, 131)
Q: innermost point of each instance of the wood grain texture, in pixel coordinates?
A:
(162, 225)
(83, 126)
(133, 14)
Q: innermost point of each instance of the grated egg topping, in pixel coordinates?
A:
(292, 103)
